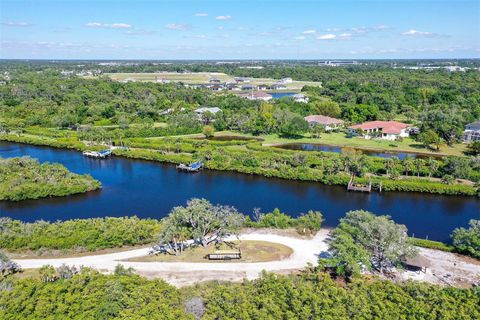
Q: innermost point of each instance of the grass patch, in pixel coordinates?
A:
(252, 251)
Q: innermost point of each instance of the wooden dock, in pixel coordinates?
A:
(352, 186)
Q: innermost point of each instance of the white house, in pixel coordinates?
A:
(472, 132)
(386, 130)
(300, 97)
(259, 95)
(286, 80)
(202, 110)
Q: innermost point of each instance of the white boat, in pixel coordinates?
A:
(97, 154)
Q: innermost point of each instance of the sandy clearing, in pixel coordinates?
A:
(304, 251)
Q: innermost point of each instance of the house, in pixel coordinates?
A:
(202, 110)
(242, 80)
(214, 80)
(386, 130)
(279, 86)
(472, 132)
(259, 95)
(300, 97)
(263, 87)
(233, 87)
(285, 81)
(162, 80)
(249, 87)
(216, 87)
(328, 123)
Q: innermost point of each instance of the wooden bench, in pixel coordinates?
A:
(224, 255)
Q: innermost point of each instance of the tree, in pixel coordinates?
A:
(203, 222)
(327, 108)
(7, 266)
(468, 240)
(310, 222)
(429, 138)
(208, 131)
(473, 148)
(385, 241)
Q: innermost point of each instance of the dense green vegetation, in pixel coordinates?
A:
(38, 104)
(79, 234)
(25, 178)
(312, 295)
(467, 241)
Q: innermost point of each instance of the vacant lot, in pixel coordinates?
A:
(252, 251)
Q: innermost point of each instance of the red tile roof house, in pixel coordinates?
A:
(327, 123)
(387, 130)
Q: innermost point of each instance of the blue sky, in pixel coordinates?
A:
(232, 29)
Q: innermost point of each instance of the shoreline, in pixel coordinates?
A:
(401, 185)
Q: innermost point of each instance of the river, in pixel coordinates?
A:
(151, 189)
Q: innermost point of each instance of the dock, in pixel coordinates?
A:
(352, 186)
(98, 154)
(194, 167)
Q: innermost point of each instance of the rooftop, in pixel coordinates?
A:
(392, 127)
(323, 119)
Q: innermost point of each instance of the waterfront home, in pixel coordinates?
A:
(256, 96)
(386, 130)
(300, 97)
(472, 132)
(263, 87)
(328, 123)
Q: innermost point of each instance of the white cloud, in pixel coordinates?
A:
(201, 14)
(220, 27)
(417, 33)
(345, 35)
(177, 26)
(16, 24)
(108, 25)
(139, 32)
(328, 36)
(223, 17)
(309, 31)
(300, 38)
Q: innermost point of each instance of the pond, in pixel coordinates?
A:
(373, 153)
(151, 189)
(278, 95)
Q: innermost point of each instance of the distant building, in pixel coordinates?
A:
(162, 80)
(214, 80)
(328, 123)
(285, 80)
(233, 87)
(278, 86)
(259, 95)
(201, 111)
(386, 130)
(472, 132)
(242, 80)
(249, 87)
(300, 97)
(263, 87)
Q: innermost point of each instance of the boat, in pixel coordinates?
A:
(194, 167)
(98, 154)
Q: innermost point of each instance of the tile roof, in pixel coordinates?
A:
(323, 119)
(391, 127)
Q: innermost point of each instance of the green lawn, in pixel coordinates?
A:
(341, 140)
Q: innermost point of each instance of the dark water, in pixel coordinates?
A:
(151, 189)
(321, 147)
(278, 95)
